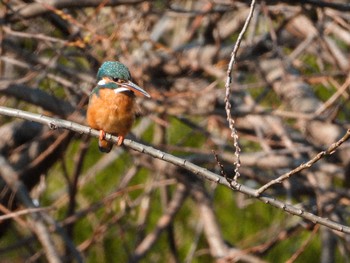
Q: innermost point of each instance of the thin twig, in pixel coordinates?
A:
(183, 163)
(222, 171)
(308, 164)
(24, 212)
(36, 221)
(334, 98)
(39, 218)
(304, 245)
(41, 7)
(163, 222)
(228, 106)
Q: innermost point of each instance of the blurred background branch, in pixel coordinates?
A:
(290, 101)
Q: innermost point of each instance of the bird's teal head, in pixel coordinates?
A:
(113, 70)
(115, 75)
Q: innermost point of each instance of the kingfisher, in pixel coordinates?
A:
(112, 105)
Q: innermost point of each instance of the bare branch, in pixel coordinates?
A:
(306, 165)
(173, 207)
(228, 106)
(197, 170)
(37, 224)
(42, 7)
(24, 212)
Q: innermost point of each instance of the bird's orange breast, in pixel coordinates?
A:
(111, 112)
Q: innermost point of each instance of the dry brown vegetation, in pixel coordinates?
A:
(63, 201)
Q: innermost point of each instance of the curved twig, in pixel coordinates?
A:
(331, 149)
(228, 106)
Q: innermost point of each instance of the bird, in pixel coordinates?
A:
(112, 105)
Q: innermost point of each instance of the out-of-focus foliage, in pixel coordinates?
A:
(289, 99)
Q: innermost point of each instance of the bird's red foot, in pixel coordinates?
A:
(102, 135)
(120, 140)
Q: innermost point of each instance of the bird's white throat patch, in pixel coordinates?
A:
(119, 90)
(102, 82)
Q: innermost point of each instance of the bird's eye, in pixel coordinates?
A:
(118, 80)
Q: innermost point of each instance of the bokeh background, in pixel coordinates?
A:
(290, 100)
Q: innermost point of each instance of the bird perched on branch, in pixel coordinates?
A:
(112, 105)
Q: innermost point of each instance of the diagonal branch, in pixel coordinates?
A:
(197, 170)
(38, 216)
(306, 165)
(36, 222)
(163, 222)
(41, 7)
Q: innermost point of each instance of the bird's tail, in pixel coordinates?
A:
(104, 146)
